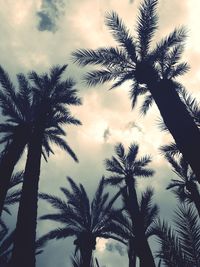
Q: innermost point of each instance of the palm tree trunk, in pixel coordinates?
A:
(141, 245)
(192, 188)
(178, 121)
(24, 241)
(131, 255)
(7, 164)
(86, 255)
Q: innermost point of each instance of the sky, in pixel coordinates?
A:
(38, 34)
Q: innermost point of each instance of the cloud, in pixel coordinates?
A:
(131, 125)
(106, 134)
(116, 247)
(51, 11)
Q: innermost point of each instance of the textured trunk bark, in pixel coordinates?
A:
(192, 188)
(7, 164)
(24, 242)
(178, 121)
(141, 245)
(131, 255)
(86, 255)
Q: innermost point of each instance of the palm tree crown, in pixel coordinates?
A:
(152, 73)
(134, 60)
(126, 165)
(82, 219)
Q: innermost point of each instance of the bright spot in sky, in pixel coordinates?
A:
(101, 244)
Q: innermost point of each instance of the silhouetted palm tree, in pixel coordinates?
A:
(15, 130)
(51, 98)
(126, 167)
(186, 187)
(82, 219)
(149, 213)
(17, 106)
(180, 247)
(152, 72)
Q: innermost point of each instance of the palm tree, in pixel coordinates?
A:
(17, 107)
(51, 98)
(186, 187)
(82, 219)
(126, 167)
(15, 130)
(180, 247)
(151, 71)
(149, 214)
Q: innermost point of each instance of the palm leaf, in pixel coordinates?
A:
(146, 26)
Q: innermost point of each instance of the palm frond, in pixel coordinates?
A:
(106, 57)
(16, 179)
(63, 145)
(146, 25)
(170, 149)
(114, 180)
(58, 233)
(12, 197)
(100, 76)
(177, 37)
(132, 154)
(148, 210)
(136, 90)
(148, 102)
(114, 165)
(56, 73)
(179, 70)
(56, 202)
(7, 85)
(121, 34)
(141, 172)
(188, 228)
(170, 251)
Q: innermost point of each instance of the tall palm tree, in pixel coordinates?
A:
(82, 219)
(51, 98)
(186, 187)
(180, 247)
(17, 106)
(15, 129)
(125, 168)
(149, 212)
(152, 72)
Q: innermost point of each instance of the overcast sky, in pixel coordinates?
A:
(37, 34)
